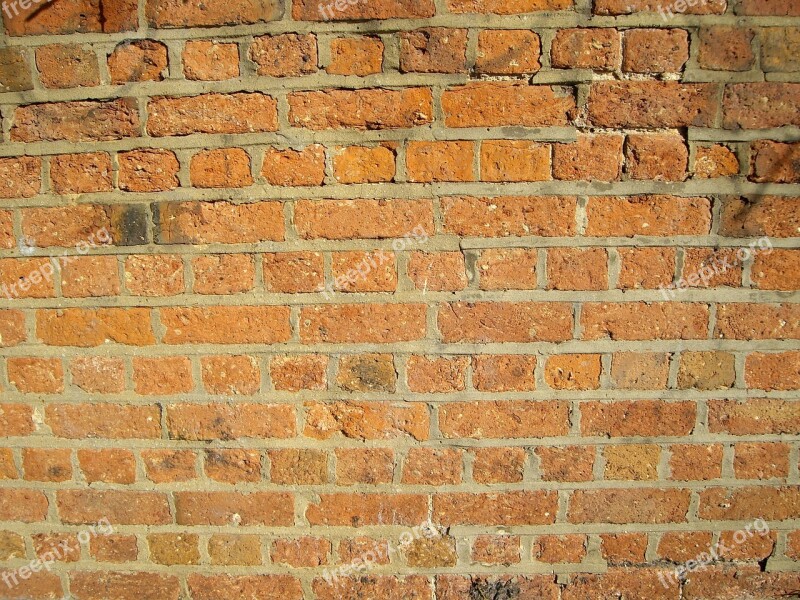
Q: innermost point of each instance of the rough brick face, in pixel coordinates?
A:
(284, 280)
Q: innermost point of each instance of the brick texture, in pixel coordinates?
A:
(283, 280)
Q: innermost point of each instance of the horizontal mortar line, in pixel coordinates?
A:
(320, 80)
(77, 396)
(209, 485)
(389, 190)
(438, 242)
(538, 20)
(188, 301)
(402, 444)
(788, 134)
(432, 347)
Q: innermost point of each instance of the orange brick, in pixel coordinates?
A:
(371, 466)
(503, 419)
(364, 271)
(438, 271)
(640, 370)
(761, 460)
(285, 55)
(108, 421)
(577, 269)
(163, 466)
(208, 60)
(230, 374)
(148, 170)
(219, 421)
(138, 60)
(570, 463)
(498, 465)
(301, 552)
(226, 324)
(595, 48)
(505, 322)
(222, 167)
(433, 50)
(293, 272)
(545, 216)
(436, 374)
(504, 373)
(81, 173)
(233, 465)
(508, 52)
(98, 374)
(223, 273)
(646, 268)
(366, 420)
(496, 549)
(695, 462)
(112, 465)
(363, 164)
(162, 376)
(655, 50)
(90, 276)
(502, 508)
(36, 375)
(294, 167)
(300, 372)
(67, 66)
(591, 157)
(573, 371)
(433, 466)
(356, 56)
(42, 464)
(559, 548)
(439, 161)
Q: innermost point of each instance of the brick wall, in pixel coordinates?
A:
(282, 282)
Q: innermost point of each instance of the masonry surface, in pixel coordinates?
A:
(282, 282)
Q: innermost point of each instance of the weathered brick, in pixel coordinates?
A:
(45, 464)
(363, 164)
(233, 465)
(298, 467)
(508, 52)
(505, 322)
(213, 587)
(592, 157)
(595, 48)
(438, 271)
(223, 167)
(706, 370)
(163, 466)
(695, 462)
(496, 550)
(358, 510)
(345, 219)
(745, 321)
(356, 56)
(364, 271)
(645, 418)
(138, 60)
(174, 13)
(20, 176)
(569, 548)
(230, 374)
(433, 466)
(774, 161)
(631, 462)
(108, 421)
(230, 549)
(573, 371)
(119, 507)
(94, 327)
(753, 416)
(67, 66)
(515, 160)
(498, 465)
(81, 173)
(82, 16)
(209, 60)
(655, 50)
(99, 585)
(504, 8)
(439, 161)
(760, 460)
(433, 50)
(212, 113)
(773, 216)
(148, 170)
(494, 104)
(504, 419)
(370, 466)
(361, 109)
(112, 465)
(219, 421)
(387, 587)
(301, 552)
(577, 269)
(726, 48)
(646, 505)
(223, 273)
(656, 157)
(79, 121)
(285, 55)
(503, 373)
(779, 47)
(761, 105)
(640, 371)
(367, 420)
(715, 161)
(294, 167)
(362, 323)
(15, 74)
(154, 274)
(502, 508)
(747, 503)
(546, 216)
(300, 372)
(275, 509)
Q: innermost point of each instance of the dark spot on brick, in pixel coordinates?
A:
(130, 225)
(483, 589)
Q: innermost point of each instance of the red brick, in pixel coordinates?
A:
(577, 269)
(87, 327)
(386, 587)
(36, 375)
(505, 322)
(621, 548)
(682, 546)
(18, 504)
(230, 421)
(274, 509)
(359, 510)
(7, 238)
(139, 60)
(773, 216)
(647, 215)
(629, 506)
(16, 419)
(715, 161)
(591, 157)
(222, 167)
(507, 268)
(221, 222)
(546, 216)
(100, 585)
(175, 13)
(757, 321)
(645, 418)
(498, 465)
(496, 549)
(363, 164)
(726, 48)
(639, 321)
(226, 324)
(233, 465)
(285, 55)
(761, 460)
(695, 462)
(82, 121)
(67, 66)
(38, 586)
(371, 466)
(652, 104)
(108, 421)
(640, 371)
(508, 52)
(367, 420)
(165, 466)
(82, 16)
(594, 48)
(778, 48)
(361, 109)
(774, 161)
(433, 50)
(148, 170)
(500, 7)
(112, 465)
(98, 374)
(655, 50)
(769, 372)
(364, 271)
(747, 503)
(173, 548)
(214, 587)
(223, 273)
(16, 72)
(437, 271)
(697, 261)
(301, 552)
(209, 60)
(298, 467)
(212, 113)
(504, 419)
(456, 587)
(44, 464)
(20, 176)
(573, 371)
(347, 219)
(433, 466)
(12, 328)
(118, 506)
(501, 508)
(494, 104)
(162, 376)
(559, 548)
(439, 161)
(26, 278)
(81, 173)
(68, 225)
(230, 374)
(154, 274)
(356, 56)
(300, 372)
(294, 167)
(514, 160)
(620, 582)
(627, 7)
(744, 106)
(503, 373)
(656, 157)
(436, 374)
(114, 548)
(754, 416)
(90, 276)
(362, 323)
